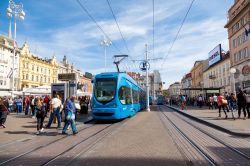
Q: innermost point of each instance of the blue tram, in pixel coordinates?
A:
(116, 96)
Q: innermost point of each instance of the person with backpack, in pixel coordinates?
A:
(40, 115)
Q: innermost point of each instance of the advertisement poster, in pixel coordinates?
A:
(214, 56)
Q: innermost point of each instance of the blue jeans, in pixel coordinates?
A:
(27, 108)
(73, 125)
(55, 113)
(18, 108)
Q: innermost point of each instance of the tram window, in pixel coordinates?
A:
(125, 95)
(105, 89)
(122, 95)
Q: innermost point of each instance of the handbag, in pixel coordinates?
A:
(70, 116)
(224, 102)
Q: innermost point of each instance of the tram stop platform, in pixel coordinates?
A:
(210, 117)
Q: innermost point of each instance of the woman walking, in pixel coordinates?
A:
(3, 113)
(232, 103)
(40, 115)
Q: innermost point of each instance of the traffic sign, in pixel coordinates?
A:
(144, 65)
(67, 76)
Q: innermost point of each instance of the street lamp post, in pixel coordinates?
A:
(233, 71)
(15, 10)
(105, 43)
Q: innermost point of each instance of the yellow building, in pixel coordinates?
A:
(35, 71)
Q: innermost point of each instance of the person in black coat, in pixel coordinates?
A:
(241, 102)
(3, 113)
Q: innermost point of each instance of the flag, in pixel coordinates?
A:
(247, 30)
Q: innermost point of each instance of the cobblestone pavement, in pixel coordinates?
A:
(142, 141)
(20, 127)
(148, 138)
(237, 125)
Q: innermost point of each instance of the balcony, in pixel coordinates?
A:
(212, 77)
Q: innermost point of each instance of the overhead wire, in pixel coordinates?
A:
(92, 18)
(125, 43)
(178, 32)
(153, 4)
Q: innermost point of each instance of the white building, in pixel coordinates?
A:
(6, 64)
(218, 76)
(174, 90)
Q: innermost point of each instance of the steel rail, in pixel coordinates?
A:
(192, 143)
(215, 138)
(37, 148)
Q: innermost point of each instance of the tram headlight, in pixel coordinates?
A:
(94, 106)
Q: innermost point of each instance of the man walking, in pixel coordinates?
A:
(70, 111)
(56, 104)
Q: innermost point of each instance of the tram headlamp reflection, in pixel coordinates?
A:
(113, 106)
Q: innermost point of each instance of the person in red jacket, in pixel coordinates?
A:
(3, 113)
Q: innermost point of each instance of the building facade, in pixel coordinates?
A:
(174, 90)
(197, 78)
(218, 76)
(66, 67)
(35, 71)
(6, 64)
(239, 42)
(186, 83)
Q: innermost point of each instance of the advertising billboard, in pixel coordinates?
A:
(214, 56)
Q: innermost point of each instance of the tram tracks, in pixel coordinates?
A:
(205, 143)
(35, 148)
(53, 153)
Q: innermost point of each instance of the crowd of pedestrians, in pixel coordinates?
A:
(223, 102)
(42, 107)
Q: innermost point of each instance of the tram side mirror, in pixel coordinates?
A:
(92, 81)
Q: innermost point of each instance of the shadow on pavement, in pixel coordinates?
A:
(19, 132)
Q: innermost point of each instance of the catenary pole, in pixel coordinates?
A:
(147, 86)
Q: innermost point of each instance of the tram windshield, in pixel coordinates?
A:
(105, 89)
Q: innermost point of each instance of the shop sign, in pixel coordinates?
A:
(213, 91)
(246, 70)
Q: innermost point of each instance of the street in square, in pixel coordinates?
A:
(151, 83)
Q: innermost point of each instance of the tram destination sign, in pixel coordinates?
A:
(67, 76)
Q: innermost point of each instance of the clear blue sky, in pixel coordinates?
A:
(61, 27)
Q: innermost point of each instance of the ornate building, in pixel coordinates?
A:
(6, 64)
(35, 71)
(239, 42)
(66, 67)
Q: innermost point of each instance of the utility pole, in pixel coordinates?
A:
(147, 86)
(144, 66)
